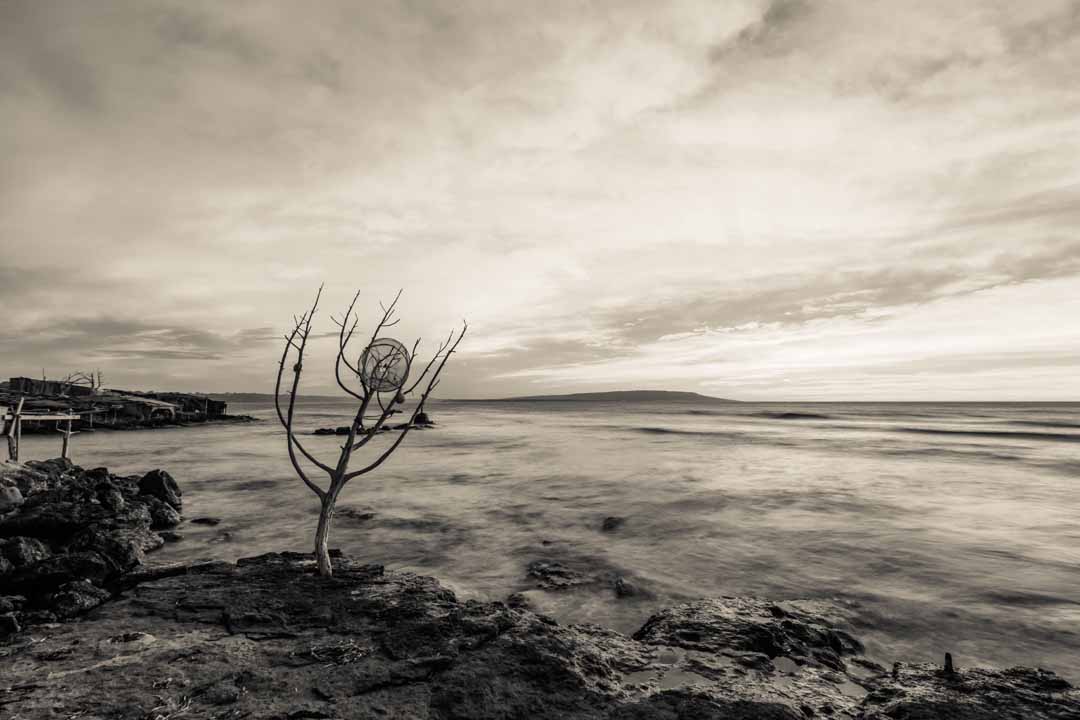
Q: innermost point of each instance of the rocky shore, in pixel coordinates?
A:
(102, 635)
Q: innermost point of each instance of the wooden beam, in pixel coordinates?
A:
(67, 440)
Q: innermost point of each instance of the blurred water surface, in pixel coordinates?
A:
(942, 527)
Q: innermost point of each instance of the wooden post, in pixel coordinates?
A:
(18, 430)
(67, 440)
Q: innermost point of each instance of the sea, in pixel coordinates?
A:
(931, 527)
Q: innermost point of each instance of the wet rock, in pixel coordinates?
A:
(25, 479)
(123, 548)
(10, 603)
(211, 521)
(55, 469)
(110, 498)
(161, 485)
(50, 573)
(749, 625)
(77, 597)
(9, 624)
(925, 691)
(170, 537)
(612, 523)
(10, 498)
(553, 575)
(324, 431)
(54, 522)
(24, 551)
(5, 566)
(625, 588)
(162, 515)
(423, 418)
(268, 637)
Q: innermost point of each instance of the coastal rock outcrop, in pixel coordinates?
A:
(268, 637)
(77, 532)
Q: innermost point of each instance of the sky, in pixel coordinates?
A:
(754, 199)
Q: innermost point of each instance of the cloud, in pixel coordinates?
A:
(587, 184)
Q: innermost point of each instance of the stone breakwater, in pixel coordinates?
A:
(267, 637)
(69, 537)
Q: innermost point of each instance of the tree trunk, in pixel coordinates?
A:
(322, 535)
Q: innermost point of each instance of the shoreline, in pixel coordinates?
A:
(275, 639)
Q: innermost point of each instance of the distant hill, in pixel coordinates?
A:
(619, 396)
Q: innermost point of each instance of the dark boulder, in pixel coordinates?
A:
(161, 485)
(54, 522)
(162, 515)
(9, 624)
(554, 575)
(124, 548)
(211, 521)
(24, 551)
(76, 597)
(624, 588)
(10, 498)
(51, 573)
(748, 625)
(26, 479)
(612, 523)
(55, 470)
(10, 603)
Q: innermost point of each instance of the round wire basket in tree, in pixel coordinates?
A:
(384, 365)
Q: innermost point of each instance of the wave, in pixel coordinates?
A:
(794, 416)
(994, 434)
(1045, 423)
(695, 433)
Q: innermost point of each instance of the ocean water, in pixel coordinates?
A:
(936, 527)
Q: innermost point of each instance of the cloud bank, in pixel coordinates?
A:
(786, 199)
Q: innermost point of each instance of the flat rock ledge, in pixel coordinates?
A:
(268, 638)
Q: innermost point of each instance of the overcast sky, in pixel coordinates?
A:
(820, 200)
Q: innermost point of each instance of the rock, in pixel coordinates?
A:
(54, 522)
(10, 498)
(747, 625)
(10, 603)
(170, 537)
(5, 566)
(55, 470)
(624, 588)
(161, 485)
(26, 480)
(342, 430)
(925, 691)
(162, 515)
(77, 597)
(324, 431)
(423, 418)
(110, 498)
(9, 624)
(612, 523)
(267, 637)
(124, 548)
(206, 521)
(553, 575)
(49, 574)
(24, 551)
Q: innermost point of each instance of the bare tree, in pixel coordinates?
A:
(378, 379)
